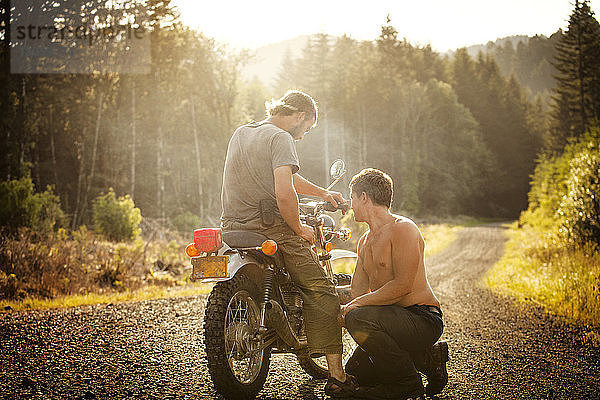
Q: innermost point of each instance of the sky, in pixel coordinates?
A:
(444, 24)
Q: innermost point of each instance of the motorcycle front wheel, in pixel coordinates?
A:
(237, 365)
(317, 367)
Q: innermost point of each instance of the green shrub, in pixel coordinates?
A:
(22, 207)
(579, 210)
(554, 184)
(116, 219)
(186, 222)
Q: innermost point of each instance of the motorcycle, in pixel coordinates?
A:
(254, 309)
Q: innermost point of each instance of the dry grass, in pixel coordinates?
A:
(79, 268)
(537, 267)
(145, 293)
(438, 237)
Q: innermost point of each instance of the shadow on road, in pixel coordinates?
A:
(309, 388)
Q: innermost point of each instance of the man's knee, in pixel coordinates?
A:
(358, 324)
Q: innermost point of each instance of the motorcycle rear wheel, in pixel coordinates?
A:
(237, 369)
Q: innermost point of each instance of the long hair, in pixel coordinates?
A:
(291, 102)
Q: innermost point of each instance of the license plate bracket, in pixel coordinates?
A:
(209, 267)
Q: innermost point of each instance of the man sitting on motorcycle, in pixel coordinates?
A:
(260, 187)
(394, 316)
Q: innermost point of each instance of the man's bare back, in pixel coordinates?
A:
(381, 263)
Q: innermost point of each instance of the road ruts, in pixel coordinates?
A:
(154, 349)
(500, 349)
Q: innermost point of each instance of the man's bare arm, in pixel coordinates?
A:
(304, 186)
(406, 255)
(287, 201)
(360, 280)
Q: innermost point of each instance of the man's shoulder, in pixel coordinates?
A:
(404, 227)
(264, 127)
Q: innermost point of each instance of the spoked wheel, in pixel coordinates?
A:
(237, 363)
(317, 367)
(241, 324)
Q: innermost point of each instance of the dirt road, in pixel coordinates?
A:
(154, 349)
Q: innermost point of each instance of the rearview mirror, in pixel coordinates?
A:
(338, 168)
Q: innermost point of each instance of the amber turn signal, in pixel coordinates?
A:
(192, 251)
(269, 247)
(328, 247)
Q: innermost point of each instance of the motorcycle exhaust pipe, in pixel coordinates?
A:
(276, 319)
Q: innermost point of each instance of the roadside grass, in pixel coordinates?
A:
(77, 268)
(439, 237)
(145, 293)
(538, 268)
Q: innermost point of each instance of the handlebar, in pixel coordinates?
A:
(341, 206)
(325, 206)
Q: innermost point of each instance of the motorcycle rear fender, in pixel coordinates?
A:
(238, 262)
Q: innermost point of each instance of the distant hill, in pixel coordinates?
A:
(266, 63)
(513, 40)
(528, 57)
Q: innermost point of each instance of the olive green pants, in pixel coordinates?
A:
(321, 303)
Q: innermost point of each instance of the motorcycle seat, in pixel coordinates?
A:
(241, 239)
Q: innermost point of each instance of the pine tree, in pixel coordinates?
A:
(576, 97)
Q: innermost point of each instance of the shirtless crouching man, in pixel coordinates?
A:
(393, 316)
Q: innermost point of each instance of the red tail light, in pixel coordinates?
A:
(208, 240)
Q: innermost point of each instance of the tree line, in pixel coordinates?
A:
(158, 137)
(455, 133)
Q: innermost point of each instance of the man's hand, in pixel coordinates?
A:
(345, 309)
(334, 198)
(344, 294)
(307, 233)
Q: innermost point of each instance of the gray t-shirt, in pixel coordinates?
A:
(254, 151)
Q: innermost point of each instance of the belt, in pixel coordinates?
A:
(434, 309)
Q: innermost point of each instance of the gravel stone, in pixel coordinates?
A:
(154, 349)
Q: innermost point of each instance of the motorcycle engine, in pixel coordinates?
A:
(293, 304)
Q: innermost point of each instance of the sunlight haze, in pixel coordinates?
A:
(445, 25)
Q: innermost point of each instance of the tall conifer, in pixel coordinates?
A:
(577, 60)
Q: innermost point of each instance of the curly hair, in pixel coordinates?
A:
(291, 102)
(376, 184)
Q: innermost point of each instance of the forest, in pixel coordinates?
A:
(460, 133)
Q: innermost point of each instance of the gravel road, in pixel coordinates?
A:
(154, 349)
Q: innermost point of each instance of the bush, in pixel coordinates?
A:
(116, 219)
(564, 186)
(186, 222)
(22, 207)
(79, 264)
(580, 208)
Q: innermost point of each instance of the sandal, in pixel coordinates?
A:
(335, 388)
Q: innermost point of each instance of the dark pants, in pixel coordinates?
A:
(394, 344)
